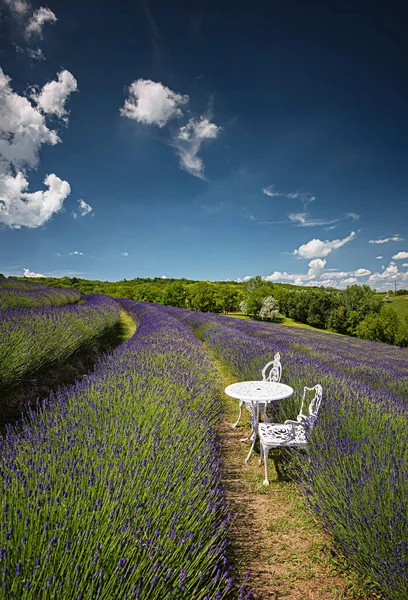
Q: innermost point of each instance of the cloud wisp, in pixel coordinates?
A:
(304, 197)
(38, 20)
(316, 248)
(395, 238)
(84, 209)
(23, 131)
(152, 103)
(303, 219)
(188, 142)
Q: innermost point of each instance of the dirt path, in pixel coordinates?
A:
(274, 538)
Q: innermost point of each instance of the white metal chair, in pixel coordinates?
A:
(272, 371)
(290, 434)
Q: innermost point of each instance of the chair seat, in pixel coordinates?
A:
(274, 434)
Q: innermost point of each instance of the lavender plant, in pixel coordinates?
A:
(112, 488)
(356, 476)
(16, 293)
(32, 338)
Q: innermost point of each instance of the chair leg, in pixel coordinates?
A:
(266, 453)
(241, 402)
(261, 451)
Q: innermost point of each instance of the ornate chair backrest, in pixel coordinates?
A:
(313, 406)
(272, 371)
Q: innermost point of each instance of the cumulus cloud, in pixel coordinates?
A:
(391, 273)
(19, 208)
(152, 102)
(394, 238)
(54, 94)
(317, 248)
(189, 140)
(316, 268)
(28, 273)
(76, 252)
(405, 264)
(400, 256)
(361, 273)
(124, 253)
(38, 20)
(164, 276)
(23, 131)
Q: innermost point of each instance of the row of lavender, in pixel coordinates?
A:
(32, 338)
(356, 480)
(15, 293)
(113, 489)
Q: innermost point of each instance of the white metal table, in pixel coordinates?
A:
(257, 392)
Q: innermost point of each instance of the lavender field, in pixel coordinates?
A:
(32, 338)
(356, 481)
(112, 489)
(16, 293)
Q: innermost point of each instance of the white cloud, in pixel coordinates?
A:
(164, 277)
(124, 253)
(400, 256)
(152, 102)
(28, 273)
(349, 281)
(404, 264)
(361, 273)
(189, 140)
(316, 268)
(23, 130)
(394, 238)
(391, 273)
(303, 219)
(18, 6)
(304, 197)
(38, 20)
(76, 252)
(379, 257)
(317, 248)
(54, 94)
(84, 209)
(36, 54)
(19, 208)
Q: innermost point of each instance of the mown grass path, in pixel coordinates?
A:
(274, 538)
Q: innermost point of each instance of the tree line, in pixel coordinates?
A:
(358, 310)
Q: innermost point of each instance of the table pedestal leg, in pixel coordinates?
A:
(255, 423)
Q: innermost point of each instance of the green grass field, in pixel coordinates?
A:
(400, 305)
(283, 321)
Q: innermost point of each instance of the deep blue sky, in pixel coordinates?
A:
(311, 100)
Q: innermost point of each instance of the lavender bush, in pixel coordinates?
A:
(356, 480)
(112, 490)
(32, 338)
(14, 293)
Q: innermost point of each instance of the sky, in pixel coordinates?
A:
(212, 140)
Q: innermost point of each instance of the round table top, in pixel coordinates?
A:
(259, 391)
